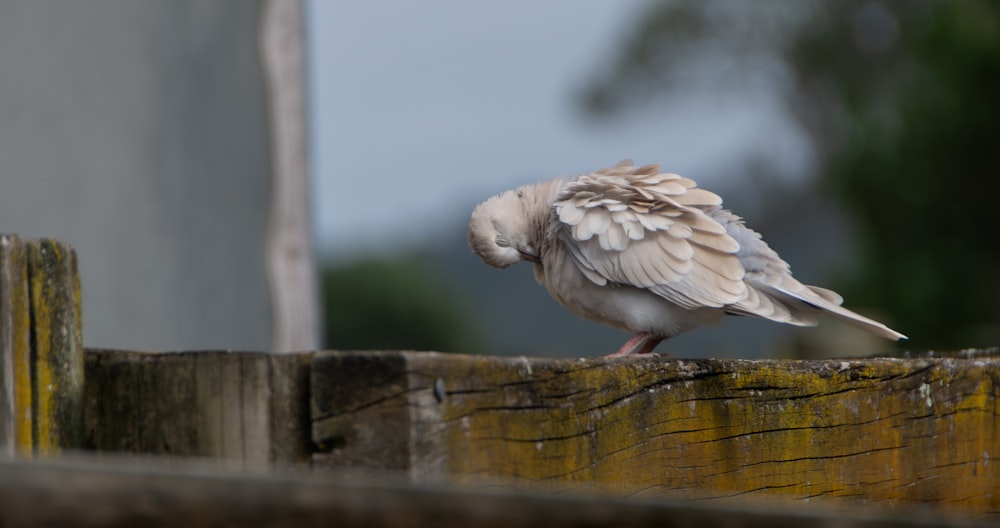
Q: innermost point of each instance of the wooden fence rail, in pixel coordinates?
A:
(890, 432)
(878, 430)
(248, 409)
(893, 433)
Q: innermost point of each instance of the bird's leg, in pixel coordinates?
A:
(649, 345)
(641, 343)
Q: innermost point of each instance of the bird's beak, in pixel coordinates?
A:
(530, 257)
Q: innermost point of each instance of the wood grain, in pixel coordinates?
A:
(891, 432)
(246, 409)
(57, 346)
(15, 348)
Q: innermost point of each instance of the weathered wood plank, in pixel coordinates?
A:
(246, 409)
(291, 441)
(360, 410)
(891, 432)
(57, 346)
(256, 397)
(143, 493)
(15, 348)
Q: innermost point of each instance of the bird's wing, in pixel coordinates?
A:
(773, 292)
(643, 228)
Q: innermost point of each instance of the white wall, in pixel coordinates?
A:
(135, 130)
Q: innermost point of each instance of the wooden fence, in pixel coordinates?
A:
(41, 348)
(894, 434)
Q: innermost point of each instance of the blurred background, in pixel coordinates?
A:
(860, 137)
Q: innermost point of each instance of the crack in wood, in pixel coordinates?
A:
(745, 492)
(787, 429)
(811, 458)
(536, 440)
(367, 405)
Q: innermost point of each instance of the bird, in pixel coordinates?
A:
(647, 252)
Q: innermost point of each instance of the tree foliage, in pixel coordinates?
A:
(900, 103)
(921, 175)
(394, 303)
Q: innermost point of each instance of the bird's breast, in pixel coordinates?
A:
(617, 305)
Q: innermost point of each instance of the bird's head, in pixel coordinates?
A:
(500, 228)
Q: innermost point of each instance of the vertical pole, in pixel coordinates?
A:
(290, 267)
(56, 338)
(15, 349)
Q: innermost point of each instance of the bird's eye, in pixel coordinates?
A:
(501, 241)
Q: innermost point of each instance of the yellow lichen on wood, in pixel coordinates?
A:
(15, 345)
(884, 431)
(24, 417)
(58, 349)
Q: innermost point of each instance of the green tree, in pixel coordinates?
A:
(900, 102)
(394, 303)
(921, 175)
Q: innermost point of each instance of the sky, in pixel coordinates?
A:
(423, 109)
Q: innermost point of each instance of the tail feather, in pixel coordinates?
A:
(855, 319)
(829, 295)
(828, 303)
(795, 303)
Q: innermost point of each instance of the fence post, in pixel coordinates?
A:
(15, 349)
(57, 359)
(41, 347)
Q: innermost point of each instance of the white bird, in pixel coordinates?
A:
(649, 253)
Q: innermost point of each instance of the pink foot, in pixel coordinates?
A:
(641, 343)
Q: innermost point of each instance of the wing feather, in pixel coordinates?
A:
(613, 238)
(830, 295)
(643, 228)
(596, 220)
(721, 244)
(698, 197)
(571, 214)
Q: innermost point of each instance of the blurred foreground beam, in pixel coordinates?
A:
(84, 493)
(897, 433)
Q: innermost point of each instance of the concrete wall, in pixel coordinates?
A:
(136, 131)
